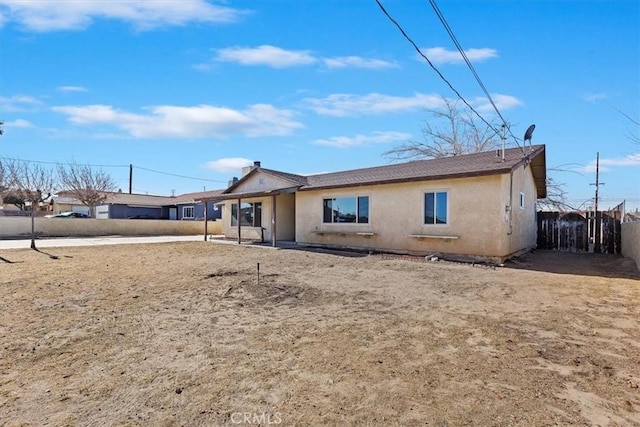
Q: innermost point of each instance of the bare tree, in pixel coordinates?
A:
(9, 191)
(460, 134)
(33, 184)
(5, 185)
(556, 199)
(634, 137)
(90, 186)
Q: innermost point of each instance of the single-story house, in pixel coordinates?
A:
(143, 206)
(189, 207)
(478, 206)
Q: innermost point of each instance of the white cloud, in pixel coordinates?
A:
(277, 57)
(271, 56)
(358, 62)
(55, 15)
(358, 140)
(503, 102)
(227, 165)
(71, 89)
(594, 97)
(202, 121)
(19, 103)
(342, 105)
(440, 55)
(18, 123)
(631, 160)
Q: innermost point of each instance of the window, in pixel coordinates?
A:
(250, 214)
(346, 210)
(521, 200)
(435, 208)
(187, 212)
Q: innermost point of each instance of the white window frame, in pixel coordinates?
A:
(184, 212)
(424, 207)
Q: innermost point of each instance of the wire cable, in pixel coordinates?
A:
(453, 37)
(176, 175)
(415, 46)
(112, 166)
(42, 162)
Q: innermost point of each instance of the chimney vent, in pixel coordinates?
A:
(256, 164)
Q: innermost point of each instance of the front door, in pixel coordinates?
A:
(173, 214)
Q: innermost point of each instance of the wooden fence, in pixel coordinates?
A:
(598, 232)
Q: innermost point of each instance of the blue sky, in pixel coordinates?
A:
(201, 88)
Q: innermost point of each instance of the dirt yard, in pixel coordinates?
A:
(183, 334)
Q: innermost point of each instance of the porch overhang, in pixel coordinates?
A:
(249, 194)
(273, 193)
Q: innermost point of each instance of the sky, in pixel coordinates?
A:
(190, 91)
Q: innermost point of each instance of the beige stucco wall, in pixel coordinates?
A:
(630, 234)
(396, 213)
(521, 235)
(57, 227)
(477, 208)
(261, 181)
(285, 217)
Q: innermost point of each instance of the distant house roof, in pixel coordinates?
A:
(467, 165)
(196, 197)
(66, 197)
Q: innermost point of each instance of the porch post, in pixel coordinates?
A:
(206, 214)
(273, 221)
(238, 220)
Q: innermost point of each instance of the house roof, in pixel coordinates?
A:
(485, 163)
(120, 199)
(467, 165)
(138, 199)
(66, 197)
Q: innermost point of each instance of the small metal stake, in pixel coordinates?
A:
(258, 273)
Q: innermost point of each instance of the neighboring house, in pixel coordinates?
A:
(473, 206)
(189, 208)
(65, 203)
(135, 206)
(143, 206)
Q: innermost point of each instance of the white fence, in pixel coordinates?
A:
(20, 227)
(631, 241)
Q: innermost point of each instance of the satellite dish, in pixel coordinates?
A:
(529, 133)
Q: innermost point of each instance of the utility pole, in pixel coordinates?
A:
(130, 178)
(596, 219)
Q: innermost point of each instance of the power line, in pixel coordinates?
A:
(453, 37)
(176, 175)
(42, 162)
(113, 166)
(415, 46)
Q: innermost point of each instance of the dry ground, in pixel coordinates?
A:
(183, 334)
